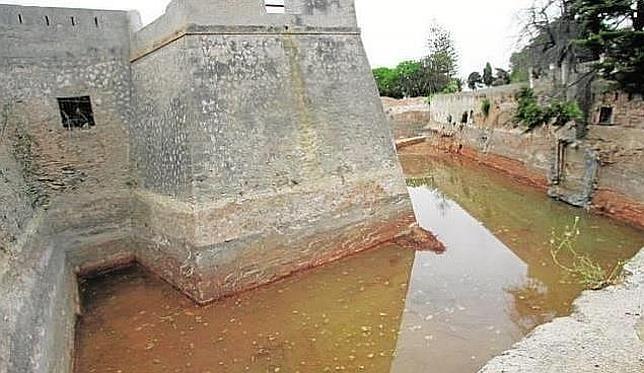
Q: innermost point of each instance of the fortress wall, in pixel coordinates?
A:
(298, 108)
(241, 16)
(620, 146)
(291, 161)
(16, 198)
(231, 148)
(62, 33)
(163, 106)
(64, 189)
(611, 148)
(303, 150)
(81, 175)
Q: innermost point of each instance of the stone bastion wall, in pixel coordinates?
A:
(220, 146)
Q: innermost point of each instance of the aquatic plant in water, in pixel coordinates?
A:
(587, 271)
(417, 182)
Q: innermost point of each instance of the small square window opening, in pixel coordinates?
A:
(76, 112)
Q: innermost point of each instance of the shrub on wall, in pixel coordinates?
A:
(531, 114)
(486, 105)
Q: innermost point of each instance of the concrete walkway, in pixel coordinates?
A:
(604, 334)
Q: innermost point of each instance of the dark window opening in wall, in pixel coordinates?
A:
(606, 116)
(47, 20)
(20, 18)
(96, 21)
(73, 21)
(616, 96)
(76, 112)
(464, 117)
(275, 6)
(630, 97)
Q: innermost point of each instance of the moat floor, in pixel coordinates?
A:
(389, 309)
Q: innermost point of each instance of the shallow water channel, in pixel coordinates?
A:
(388, 309)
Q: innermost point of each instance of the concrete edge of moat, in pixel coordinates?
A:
(605, 333)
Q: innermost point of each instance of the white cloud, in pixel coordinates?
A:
(393, 30)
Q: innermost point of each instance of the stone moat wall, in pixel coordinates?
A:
(602, 170)
(225, 149)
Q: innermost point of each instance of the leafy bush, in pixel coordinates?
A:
(563, 112)
(486, 105)
(531, 114)
(387, 81)
(455, 86)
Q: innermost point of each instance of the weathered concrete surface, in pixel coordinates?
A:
(604, 334)
(38, 294)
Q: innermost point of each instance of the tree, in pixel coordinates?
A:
(576, 31)
(455, 86)
(615, 30)
(442, 51)
(387, 82)
(410, 78)
(488, 78)
(474, 80)
(520, 65)
(502, 77)
(432, 74)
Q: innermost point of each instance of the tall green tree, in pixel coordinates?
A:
(488, 78)
(442, 51)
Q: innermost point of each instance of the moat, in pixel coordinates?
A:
(388, 309)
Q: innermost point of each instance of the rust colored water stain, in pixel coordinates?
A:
(386, 310)
(616, 205)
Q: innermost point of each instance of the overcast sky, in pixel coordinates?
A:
(393, 30)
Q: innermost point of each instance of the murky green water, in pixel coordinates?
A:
(389, 309)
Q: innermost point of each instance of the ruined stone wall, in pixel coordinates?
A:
(619, 144)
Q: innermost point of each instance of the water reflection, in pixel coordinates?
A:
(457, 311)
